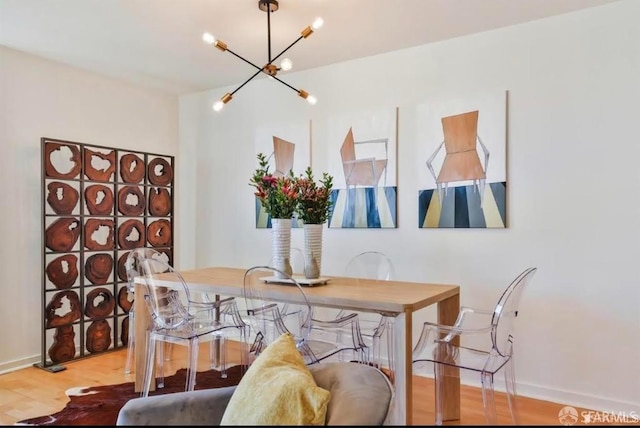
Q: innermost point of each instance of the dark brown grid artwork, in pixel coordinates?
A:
(98, 203)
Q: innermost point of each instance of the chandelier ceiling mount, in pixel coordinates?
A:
(270, 69)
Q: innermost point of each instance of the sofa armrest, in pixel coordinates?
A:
(200, 407)
(360, 394)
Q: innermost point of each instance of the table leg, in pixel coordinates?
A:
(403, 408)
(141, 325)
(448, 310)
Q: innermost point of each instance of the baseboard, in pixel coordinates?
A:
(562, 397)
(577, 399)
(19, 364)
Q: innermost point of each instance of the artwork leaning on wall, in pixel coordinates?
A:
(98, 203)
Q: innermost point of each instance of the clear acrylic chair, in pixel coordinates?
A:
(268, 322)
(132, 271)
(177, 317)
(375, 327)
(440, 345)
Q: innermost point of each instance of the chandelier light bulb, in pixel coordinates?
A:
(312, 100)
(286, 64)
(217, 106)
(317, 23)
(208, 38)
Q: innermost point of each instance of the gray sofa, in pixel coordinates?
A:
(360, 395)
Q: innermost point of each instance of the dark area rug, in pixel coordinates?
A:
(100, 405)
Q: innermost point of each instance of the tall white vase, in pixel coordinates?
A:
(312, 250)
(281, 245)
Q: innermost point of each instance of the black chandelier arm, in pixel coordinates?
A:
(245, 60)
(247, 81)
(286, 84)
(270, 62)
(287, 48)
(261, 69)
(258, 72)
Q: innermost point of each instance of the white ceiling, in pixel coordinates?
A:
(158, 43)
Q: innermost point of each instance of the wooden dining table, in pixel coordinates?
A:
(399, 299)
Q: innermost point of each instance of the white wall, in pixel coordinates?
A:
(573, 185)
(39, 98)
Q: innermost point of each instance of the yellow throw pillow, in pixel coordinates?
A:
(277, 389)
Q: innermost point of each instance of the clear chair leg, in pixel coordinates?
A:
(192, 369)
(439, 371)
(246, 331)
(244, 348)
(512, 396)
(167, 355)
(130, 344)
(375, 351)
(160, 368)
(223, 357)
(389, 331)
(362, 355)
(218, 355)
(215, 347)
(341, 355)
(488, 399)
(447, 368)
(148, 373)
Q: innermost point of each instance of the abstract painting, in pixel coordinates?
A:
(462, 161)
(287, 146)
(362, 158)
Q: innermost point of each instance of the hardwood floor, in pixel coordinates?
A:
(33, 392)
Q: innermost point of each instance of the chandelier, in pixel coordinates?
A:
(269, 68)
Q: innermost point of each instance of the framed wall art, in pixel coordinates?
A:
(362, 158)
(462, 161)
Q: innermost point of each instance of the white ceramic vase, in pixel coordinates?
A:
(312, 250)
(281, 245)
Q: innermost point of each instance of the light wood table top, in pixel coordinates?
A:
(349, 293)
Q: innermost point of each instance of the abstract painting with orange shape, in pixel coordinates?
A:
(287, 146)
(462, 165)
(362, 160)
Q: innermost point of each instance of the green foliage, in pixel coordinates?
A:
(281, 197)
(278, 195)
(314, 205)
